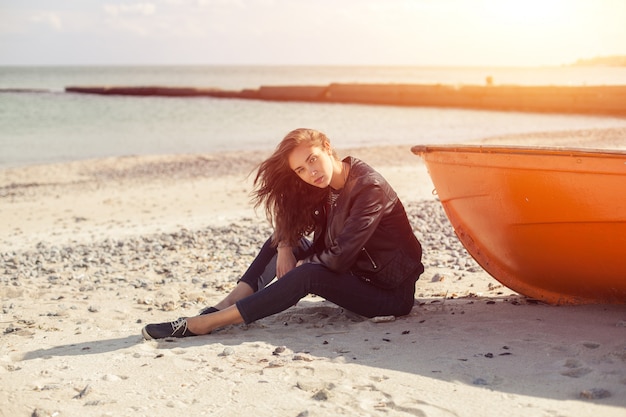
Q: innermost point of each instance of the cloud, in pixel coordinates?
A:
(145, 9)
(48, 18)
(137, 18)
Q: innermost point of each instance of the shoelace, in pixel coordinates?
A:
(178, 324)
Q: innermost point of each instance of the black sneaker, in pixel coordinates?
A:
(177, 328)
(208, 310)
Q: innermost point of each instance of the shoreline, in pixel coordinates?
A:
(92, 250)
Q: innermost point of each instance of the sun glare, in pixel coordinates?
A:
(528, 12)
(530, 32)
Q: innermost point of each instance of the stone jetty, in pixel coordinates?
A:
(607, 100)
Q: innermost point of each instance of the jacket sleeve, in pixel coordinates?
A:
(365, 212)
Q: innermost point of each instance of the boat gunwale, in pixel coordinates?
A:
(521, 150)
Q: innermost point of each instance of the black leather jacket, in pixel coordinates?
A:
(366, 231)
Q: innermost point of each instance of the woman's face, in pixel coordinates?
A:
(313, 164)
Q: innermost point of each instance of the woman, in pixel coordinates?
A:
(364, 256)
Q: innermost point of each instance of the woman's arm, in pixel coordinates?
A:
(285, 261)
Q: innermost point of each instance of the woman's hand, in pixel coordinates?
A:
(285, 261)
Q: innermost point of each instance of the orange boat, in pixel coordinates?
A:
(548, 223)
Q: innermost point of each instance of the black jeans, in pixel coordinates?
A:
(344, 289)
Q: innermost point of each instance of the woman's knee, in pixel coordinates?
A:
(308, 277)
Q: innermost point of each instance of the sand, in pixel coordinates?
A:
(92, 250)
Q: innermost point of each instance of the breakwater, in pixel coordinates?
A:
(607, 100)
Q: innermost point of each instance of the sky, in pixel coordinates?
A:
(315, 32)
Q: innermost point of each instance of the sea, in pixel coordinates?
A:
(40, 123)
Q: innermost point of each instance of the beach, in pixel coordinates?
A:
(92, 250)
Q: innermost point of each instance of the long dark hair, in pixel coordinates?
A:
(289, 201)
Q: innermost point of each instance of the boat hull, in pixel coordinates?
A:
(548, 223)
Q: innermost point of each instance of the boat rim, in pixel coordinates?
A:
(520, 150)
